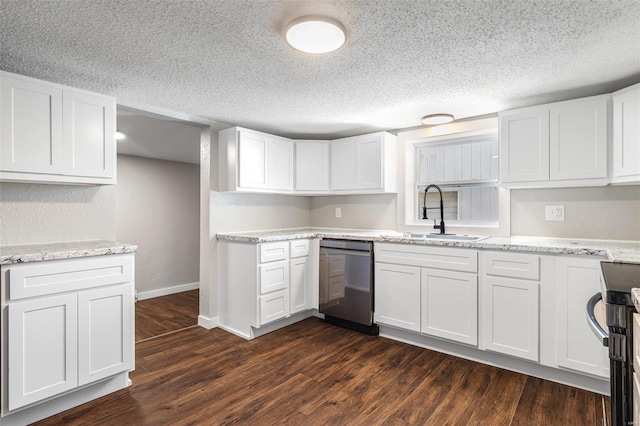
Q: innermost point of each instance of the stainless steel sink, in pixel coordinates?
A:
(453, 237)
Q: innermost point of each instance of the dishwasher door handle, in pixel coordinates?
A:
(595, 326)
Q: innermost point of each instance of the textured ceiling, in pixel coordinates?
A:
(227, 61)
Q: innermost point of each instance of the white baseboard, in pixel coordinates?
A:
(167, 291)
(207, 323)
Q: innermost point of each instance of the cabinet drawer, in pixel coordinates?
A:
(57, 276)
(273, 306)
(513, 265)
(298, 248)
(462, 260)
(274, 276)
(271, 252)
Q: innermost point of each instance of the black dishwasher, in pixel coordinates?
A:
(346, 284)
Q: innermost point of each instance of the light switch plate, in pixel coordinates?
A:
(554, 213)
(338, 212)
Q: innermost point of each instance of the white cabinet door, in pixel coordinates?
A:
(524, 145)
(578, 139)
(626, 135)
(31, 126)
(510, 316)
(280, 165)
(300, 295)
(343, 164)
(450, 305)
(397, 296)
(42, 348)
(252, 162)
(312, 165)
(105, 332)
(88, 135)
(369, 163)
(576, 281)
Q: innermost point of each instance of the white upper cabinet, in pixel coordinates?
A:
(55, 134)
(312, 166)
(524, 145)
(578, 139)
(364, 164)
(88, 129)
(31, 126)
(254, 162)
(343, 164)
(626, 135)
(280, 164)
(560, 144)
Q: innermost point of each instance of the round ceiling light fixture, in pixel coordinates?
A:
(433, 119)
(315, 34)
(120, 136)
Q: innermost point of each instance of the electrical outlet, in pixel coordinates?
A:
(554, 213)
(338, 212)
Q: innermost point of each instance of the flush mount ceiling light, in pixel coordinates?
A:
(434, 119)
(315, 34)
(120, 136)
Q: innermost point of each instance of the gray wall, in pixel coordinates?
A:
(358, 211)
(232, 212)
(38, 213)
(609, 212)
(158, 208)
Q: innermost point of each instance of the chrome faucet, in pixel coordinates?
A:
(424, 209)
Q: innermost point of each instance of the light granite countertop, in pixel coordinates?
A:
(55, 251)
(615, 251)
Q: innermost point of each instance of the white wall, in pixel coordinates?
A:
(37, 213)
(608, 212)
(158, 208)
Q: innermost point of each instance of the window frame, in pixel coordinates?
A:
(409, 220)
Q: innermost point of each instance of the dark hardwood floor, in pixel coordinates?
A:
(312, 373)
(166, 314)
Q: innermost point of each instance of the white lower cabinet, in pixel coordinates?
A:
(104, 332)
(577, 349)
(429, 300)
(263, 284)
(449, 303)
(274, 306)
(300, 294)
(511, 303)
(397, 296)
(43, 348)
(69, 324)
(510, 317)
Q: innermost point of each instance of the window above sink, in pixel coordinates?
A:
(461, 158)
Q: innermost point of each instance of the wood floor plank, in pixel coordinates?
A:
(164, 314)
(544, 402)
(312, 373)
(499, 402)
